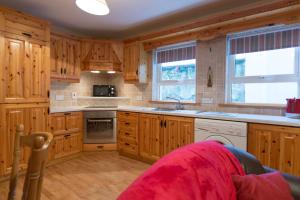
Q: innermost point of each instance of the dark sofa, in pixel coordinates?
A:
(252, 166)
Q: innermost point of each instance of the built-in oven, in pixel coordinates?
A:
(100, 127)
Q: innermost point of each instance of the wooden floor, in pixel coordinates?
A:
(91, 176)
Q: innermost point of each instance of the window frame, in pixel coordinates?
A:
(157, 79)
(231, 79)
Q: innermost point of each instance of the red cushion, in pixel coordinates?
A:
(262, 187)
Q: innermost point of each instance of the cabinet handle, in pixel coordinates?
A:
(165, 124)
(27, 34)
(137, 72)
(127, 124)
(127, 134)
(67, 114)
(127, 144)
(66, 136)
(161, 123)
(65, 71)
(61, 70)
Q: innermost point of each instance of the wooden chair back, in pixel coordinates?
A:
(39, 144)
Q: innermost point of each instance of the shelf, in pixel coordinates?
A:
(103, 98)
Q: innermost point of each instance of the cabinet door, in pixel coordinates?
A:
(264, 143)
(37, 72)
(178, 132)
(75, 142)
(289, 153)
(58, 146)
(150, 137)
(34, 117)
(74, 122)
(72, 64)
(57, 57)
(58, 123)
(131, 62)
(12, 69)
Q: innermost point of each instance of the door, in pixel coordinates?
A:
(72, 64)
(58, 123)
(37, 72)
(34, 117)
(74, 121)
(12, 52)
(131, 62)
(289, 154)
(57, 57)
(178, 131)
(150, 136)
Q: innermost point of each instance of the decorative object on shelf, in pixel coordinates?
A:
(209, 77)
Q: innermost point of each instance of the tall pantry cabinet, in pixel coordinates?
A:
(24, 80)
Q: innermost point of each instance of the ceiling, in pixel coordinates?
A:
(126, 18)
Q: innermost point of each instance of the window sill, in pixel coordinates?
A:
(173, 102)
(252, 105)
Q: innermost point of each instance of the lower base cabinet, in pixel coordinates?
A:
(276, 146)
(67, 131)
(148, 137)
(34, 117)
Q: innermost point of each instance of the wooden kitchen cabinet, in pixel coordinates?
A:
(67, 131)
(127, 133)
(276, 146)
(135, 63)
(24, 70)
(34, 117)
(150, 137)
(178, 131)
(65, 58)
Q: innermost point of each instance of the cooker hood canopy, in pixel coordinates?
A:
(99, 56)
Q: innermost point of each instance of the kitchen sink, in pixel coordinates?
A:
(164, 109)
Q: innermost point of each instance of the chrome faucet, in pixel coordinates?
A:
(179, 105)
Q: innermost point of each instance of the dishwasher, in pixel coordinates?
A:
(226, 132)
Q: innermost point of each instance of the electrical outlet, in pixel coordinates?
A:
(59, 97)
(74, 95)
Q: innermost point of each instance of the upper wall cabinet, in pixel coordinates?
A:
(65, 58)
(24, 25)
(135, 63)
(100, 55)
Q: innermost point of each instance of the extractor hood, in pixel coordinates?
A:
(99, 56)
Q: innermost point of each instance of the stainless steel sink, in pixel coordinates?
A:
(164, 109)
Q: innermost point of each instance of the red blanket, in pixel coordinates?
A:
(197, 171)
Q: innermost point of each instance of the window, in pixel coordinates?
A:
(263, 65)
(174, 73)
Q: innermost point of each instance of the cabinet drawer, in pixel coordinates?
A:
(127, 134)
(128, 117)
(127, 126)
(127, 146)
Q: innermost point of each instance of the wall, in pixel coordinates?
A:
(212, 53)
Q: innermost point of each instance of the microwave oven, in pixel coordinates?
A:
(104, 91)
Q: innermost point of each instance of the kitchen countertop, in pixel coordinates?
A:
(264, 119)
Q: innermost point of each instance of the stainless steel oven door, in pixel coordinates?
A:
(99, 129)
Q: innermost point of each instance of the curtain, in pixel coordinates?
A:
(176, 54)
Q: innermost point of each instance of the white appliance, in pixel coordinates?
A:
(226, 132)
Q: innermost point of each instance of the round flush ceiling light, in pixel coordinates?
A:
(94, 7)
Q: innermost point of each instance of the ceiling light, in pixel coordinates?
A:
(95, 72)
(111, 72)
(94, 7)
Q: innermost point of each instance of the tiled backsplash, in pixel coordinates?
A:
(209, 54)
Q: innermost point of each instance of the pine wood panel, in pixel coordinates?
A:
(21, 24)
(37, 72)
(74, 121)
(276, 146)
(33, 116)
(12, 68)
(65, 58)
(150, 137)
(178, 131)
(58, 123)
